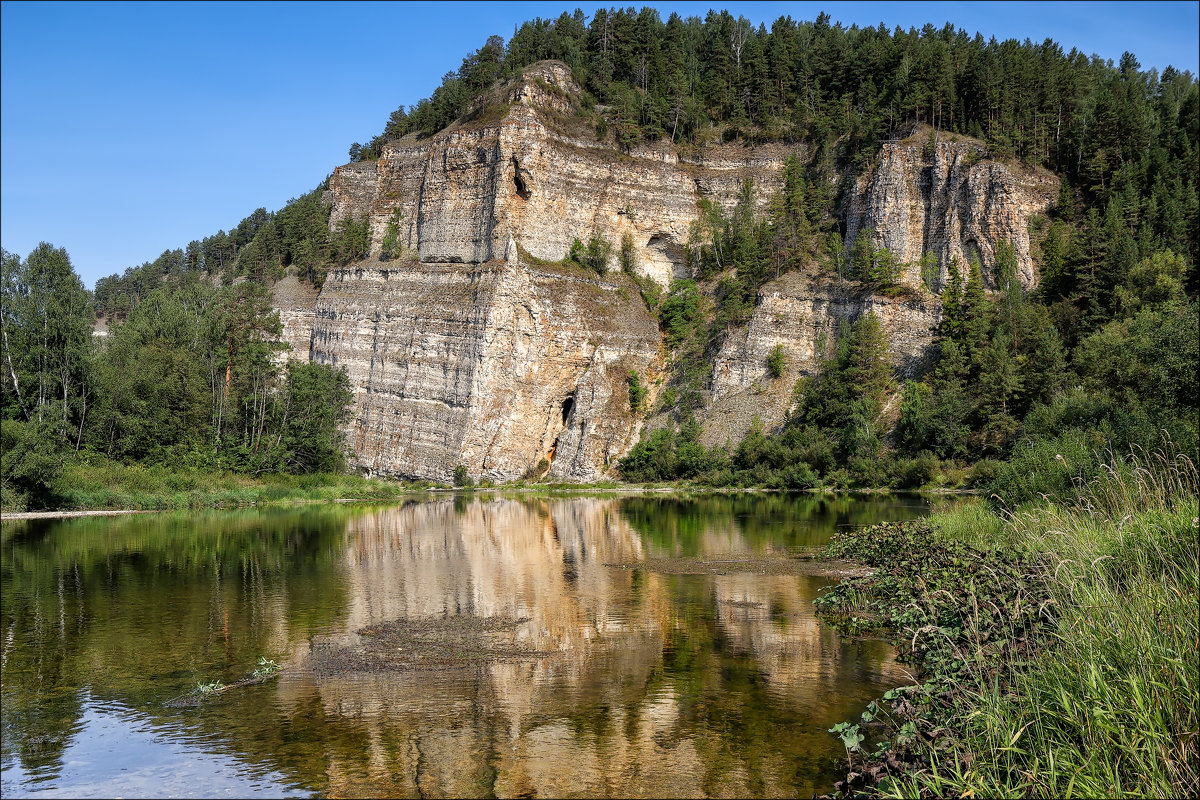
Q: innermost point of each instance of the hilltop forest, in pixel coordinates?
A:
(1102, 355)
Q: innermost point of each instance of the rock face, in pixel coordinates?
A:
(539, 173)
(801, 314)
(494, 366)
(296, 303)
(471, 347)
(946, 200)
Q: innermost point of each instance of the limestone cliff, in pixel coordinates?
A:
(801, 314)
(474, 348)
(296, 302)
(537, 171)
(947, 199)
(493, 366)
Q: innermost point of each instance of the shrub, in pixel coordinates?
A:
(776, 361)
(911, 473)
(31, 463)
(462, 478)
(594, 255)
(637, 392)
(628, 256)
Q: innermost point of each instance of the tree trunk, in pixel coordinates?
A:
(11, 370)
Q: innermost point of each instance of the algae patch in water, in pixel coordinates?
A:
(426, 643)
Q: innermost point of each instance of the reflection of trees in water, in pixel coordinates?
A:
(144, 606)
(659, 685)
(675, 526)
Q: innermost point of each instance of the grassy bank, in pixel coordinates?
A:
(1057, 645)
(103, 484)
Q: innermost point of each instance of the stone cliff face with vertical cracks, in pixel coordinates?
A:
(473, 346)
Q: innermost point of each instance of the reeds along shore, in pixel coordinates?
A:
(1082, 682)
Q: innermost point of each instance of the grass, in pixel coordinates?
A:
(96, 483)
(104, 484)
(1095, 694)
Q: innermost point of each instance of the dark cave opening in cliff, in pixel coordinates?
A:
(567, 405)
(518, 181)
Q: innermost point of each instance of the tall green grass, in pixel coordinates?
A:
(1107, 704)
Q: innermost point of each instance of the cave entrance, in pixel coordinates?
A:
(519, 182)
(567, 406)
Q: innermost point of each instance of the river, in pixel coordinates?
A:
(453, 646)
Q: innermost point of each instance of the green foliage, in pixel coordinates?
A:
(190, 378)
(873, 265)
(31, 464)
(94, 482)
(665, 455)
(929, 272)
(849, 391)
(315, 407)
(637, 392)
(391, 236)
(45, 342)
(1005, 348)
(462, 478)
(776, 361)
(1147, 360)
(266, 668)
(351, 240)
(263, 246)
(593, 256)
(1027, 690)
(679, 312)
(628, 256)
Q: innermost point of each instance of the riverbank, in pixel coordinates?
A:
(98, 486)
(1056, 646)
(13, 516)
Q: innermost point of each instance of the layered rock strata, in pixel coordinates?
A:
(473, 348)
(802, 314)
(540, 173)
(296, 303)
(946, 199)
(494, 366)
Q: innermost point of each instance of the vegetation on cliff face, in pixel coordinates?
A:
(1124, 141)
(1121, 137)
(1003, 387)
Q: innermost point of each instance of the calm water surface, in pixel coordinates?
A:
(654, 685)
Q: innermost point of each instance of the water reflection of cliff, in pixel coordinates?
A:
(648, 674)
(654, 684)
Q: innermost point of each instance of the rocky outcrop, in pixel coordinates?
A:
(474, 348)
(296, 303)
(947, 199)
(526, 165)
(494, 366)
(802, 314)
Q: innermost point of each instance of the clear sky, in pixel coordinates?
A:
(130, 128)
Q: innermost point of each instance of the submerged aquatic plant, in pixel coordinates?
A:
(266, 668)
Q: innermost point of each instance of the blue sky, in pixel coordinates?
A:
(128, 129)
